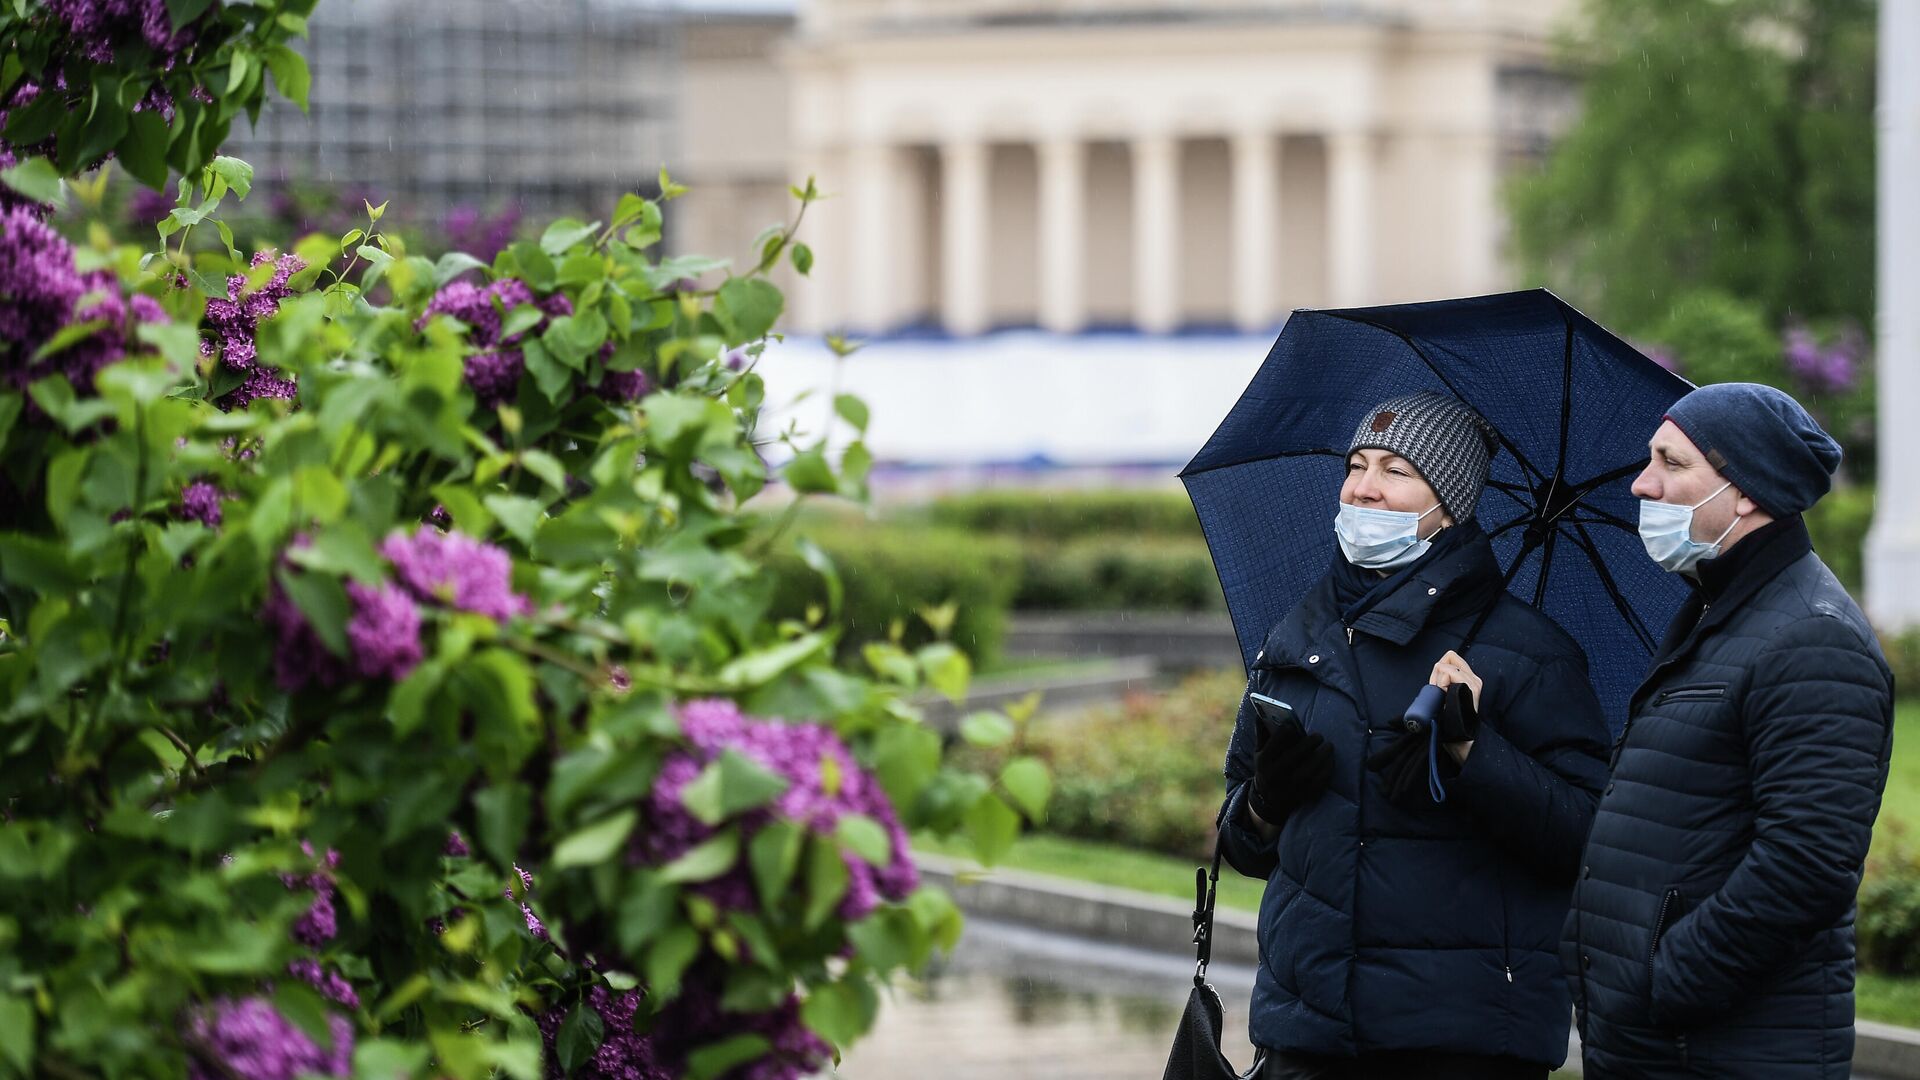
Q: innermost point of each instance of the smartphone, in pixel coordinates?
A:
(1271, 709)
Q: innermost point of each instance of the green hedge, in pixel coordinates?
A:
(1146, 773)
(1114, 573)
(1888, 924)
(1065, 515)
(891, 573)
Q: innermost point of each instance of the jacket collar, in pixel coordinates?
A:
(1461, 576)
(1774, 548)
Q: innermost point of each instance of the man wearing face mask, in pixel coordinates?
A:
(1414, 901)
(1711, 931)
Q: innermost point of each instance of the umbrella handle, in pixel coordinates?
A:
(1426, 706)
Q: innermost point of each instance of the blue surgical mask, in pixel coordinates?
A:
(1380, 539)
(1667, 531)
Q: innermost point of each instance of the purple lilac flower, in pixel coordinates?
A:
(494, 371)
(624, 385)
(696, 1018)
(534, 925)
(623, 1054)
(200, 501)
(467, 229)
(102, 24)
(384, 632)
(319, 924)
(233, 321)
(456, 846)
(1821, 368)
(802, 753)
(250, 1038)
(148, 207)
(41, 292)
(383, 638)
(332, 985)
(456, 570)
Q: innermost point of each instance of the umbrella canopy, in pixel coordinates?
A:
(1572, 406)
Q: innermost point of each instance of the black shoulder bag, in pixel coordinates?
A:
(1196, 1043)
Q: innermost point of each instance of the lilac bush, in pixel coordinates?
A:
(248, 1037)
(233, 322)
(456, 571)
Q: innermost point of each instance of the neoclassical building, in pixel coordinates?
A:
(1070, 164)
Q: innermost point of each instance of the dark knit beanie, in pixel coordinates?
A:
(1441, 437)
(1763, 441)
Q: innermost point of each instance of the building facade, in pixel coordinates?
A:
(1072, 165)
(555, 106)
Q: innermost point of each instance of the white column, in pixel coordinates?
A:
(1350, 213)
(876, 276)
(1156, 233)
(1063, 234)
(1256, 234)
(1477, 181)
(963, 237)
(1893, 544)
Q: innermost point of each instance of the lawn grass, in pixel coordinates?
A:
(1110, 864)
(1890, 999)
(1901, 803)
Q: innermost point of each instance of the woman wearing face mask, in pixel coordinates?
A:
(1416, 884)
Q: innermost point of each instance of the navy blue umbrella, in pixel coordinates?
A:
(1573, 407)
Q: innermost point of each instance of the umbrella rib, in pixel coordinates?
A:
(1605, 517)
(1442, 376)
(1546, 567)
(1621, 473)
(1632, 617)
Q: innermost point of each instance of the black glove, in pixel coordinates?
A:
(1290, 769)
(1458, 720)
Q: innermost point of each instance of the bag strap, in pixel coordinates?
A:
(1206, 882)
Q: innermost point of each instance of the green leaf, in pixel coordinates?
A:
(667, 960)
(550, 375)
(407, 706)
(37, 120)
(729, 785)
(764, 665)
(185, 11)
(827, 881)
(802, 259)
(324, 602)
(68, 336)
(579, 1036)
(534, 266)
(866, 838)
(717, 1058)
(905, 757)
(389, 1058)
(520, 320)
(840, 1012)
(11, 406)
(17, 1032)
(808, 473)
(564, 233)
(704, 861)
(774, 855)
(852, 410)
(143, 153)
(747, 308)
(597, 843)
(36, 178)
(517, 514)
(1027, 780)
(993, 826)
(469, 514)
(547, 468)
(502, 814)
(342, 548)
(238, 174)
(987, 729)
(948, 669)
(452, 265)
(290, 74)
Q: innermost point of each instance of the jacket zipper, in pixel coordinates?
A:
(1696, 693)
(1349, 635)
(1660, 926)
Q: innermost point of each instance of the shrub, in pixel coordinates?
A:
(1063, 515)
(1839, 525)
(889, 575)
(385, 664)
(1888, 924)
(1145, 773)
(1114, 573)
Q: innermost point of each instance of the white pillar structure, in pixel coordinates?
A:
(1063, 225)
(963, 236)
(1350, 214)
(1156, 233)
(1478, 237)
(1893, 544)
(1256, 204)
(874, 303)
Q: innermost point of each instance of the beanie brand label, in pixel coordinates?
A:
(1382, 421)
